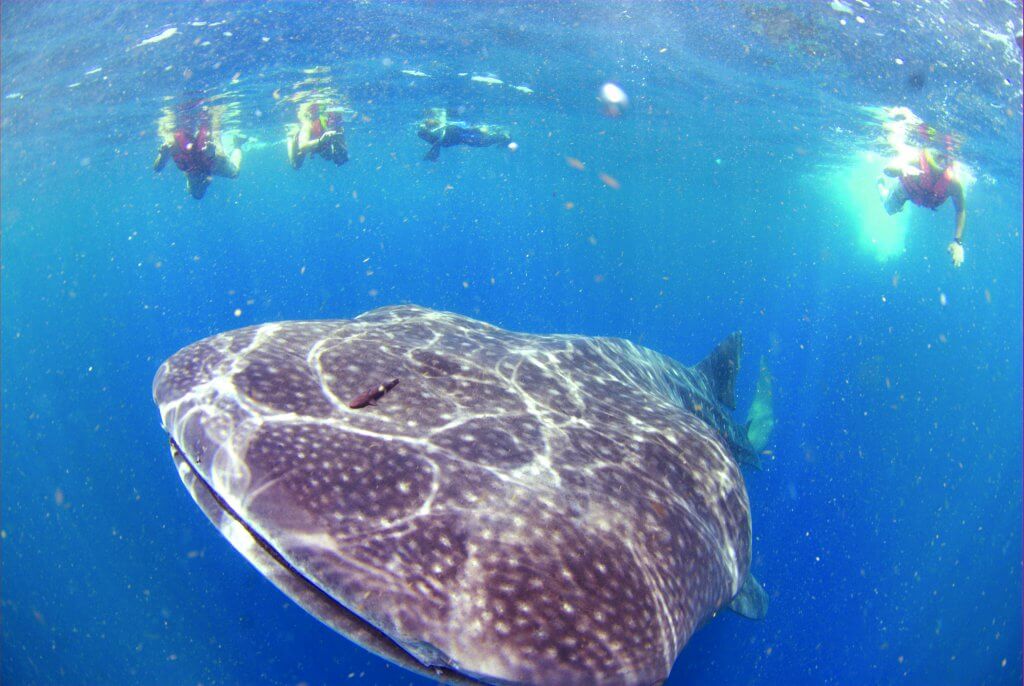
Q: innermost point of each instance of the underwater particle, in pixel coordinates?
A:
(569, 205)
(372, 292)
(524, 89)
(414, 72)
(187, 74)
(860, 19)
(899, 61)
(15, 96)
(575, 163)
(488, 80)
(58, 497)
(610, 181)
(917, 80)
(614, 99)
(162, 36)
(465, 284)
(841, 7)
(598, 278)
(238, 312)
(942, 298)
(592, 240)
(988, 296)
(513, 146)
(265, 39)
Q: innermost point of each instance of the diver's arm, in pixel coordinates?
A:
(306, 143)
(900, 167)
(961, 211)
(162, 155)
(956, 248)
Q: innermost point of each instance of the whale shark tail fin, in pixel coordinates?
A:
(720, 369)
(760, 417)
(751, 602)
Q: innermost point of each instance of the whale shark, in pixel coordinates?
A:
(471, 503)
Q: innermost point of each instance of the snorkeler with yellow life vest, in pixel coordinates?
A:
(319, 133)
(927, 182)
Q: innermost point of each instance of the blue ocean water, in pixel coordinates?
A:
(887, 520)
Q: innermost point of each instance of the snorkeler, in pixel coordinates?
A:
(441, 133)
(196, 152)
(927, 182)
(319, 133)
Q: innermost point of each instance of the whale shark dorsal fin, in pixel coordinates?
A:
(720, 369)
(751, 602)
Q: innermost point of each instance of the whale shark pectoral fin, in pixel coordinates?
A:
(751, 602)
(761, 417)
(720, 369)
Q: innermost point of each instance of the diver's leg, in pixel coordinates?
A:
(894, 198)
(339, 148)
(339, 153)
(295, 158)
(227, 166)
(197, 185)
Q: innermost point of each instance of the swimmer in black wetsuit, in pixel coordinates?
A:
(437, 130)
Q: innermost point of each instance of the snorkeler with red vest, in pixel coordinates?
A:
(319, 133)
(196, 153)
(928, 182)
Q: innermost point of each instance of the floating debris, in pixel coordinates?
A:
(841, 7)
(489, 80)
(575, 163)
(524, 89)
(614, 99)
(414, 72)
(15, 96)
(97, 70)
(162, 36)
(610, 181)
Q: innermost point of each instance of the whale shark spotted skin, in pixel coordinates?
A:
(471, 503)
